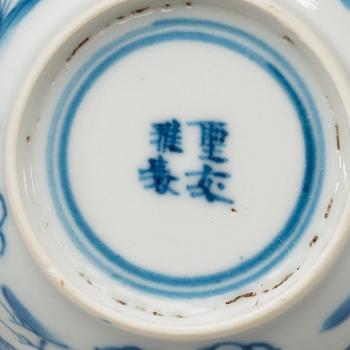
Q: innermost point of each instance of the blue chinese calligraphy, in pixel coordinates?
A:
(158, 176)
(210, 182)
(167, 136)
(213, 140)
(118, 348)
(23, 326)
(208, 178)
(3, 216)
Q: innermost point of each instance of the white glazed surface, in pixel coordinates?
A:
(300, 328)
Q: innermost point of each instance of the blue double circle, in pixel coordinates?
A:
(89, 242)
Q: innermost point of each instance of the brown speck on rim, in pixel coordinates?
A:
(82, 274)
(338, 136)
(180, 316)
(139, 11)
(89, 282)
(189, 4)
(266, 291)
(234, 211)
(120, 18)
(329, 207)
(288, 39)
(314, 240)
(29, 139)
(121, 302)
(285, 279)
(167, 6)
(155, 313)
(77, 48)
(298, 268)
(247, 295)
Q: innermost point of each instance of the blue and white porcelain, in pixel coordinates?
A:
(174, 175)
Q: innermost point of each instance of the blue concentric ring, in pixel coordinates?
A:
(88, 241)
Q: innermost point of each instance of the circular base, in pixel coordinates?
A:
(180, 169)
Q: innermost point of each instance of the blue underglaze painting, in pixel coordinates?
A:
(4, 345)
(338, 317)
(22, 325)
(120, 348)
(12, 12)
(3, 217)
(241, 346)
(204, 182)
(218, 346)
(167, 137)
(346, 3)
(26, 330)
(213, 135)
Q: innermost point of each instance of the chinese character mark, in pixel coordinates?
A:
(208, 180)
(213, 140)
(158, 176)
(167, 136)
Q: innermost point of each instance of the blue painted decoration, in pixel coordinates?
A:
(3, 217)
(346, 3)
(338, 317)
(118, 348)
(4, 345)
(219, 346)
(158, 176)
(111, 262)
(12, 12)
(213, 140)
(21, 321)
(204, 187)
(241, 346)
(167, 136)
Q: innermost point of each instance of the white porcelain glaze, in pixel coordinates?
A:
(262, 199)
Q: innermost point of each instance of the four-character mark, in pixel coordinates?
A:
(208, 181)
